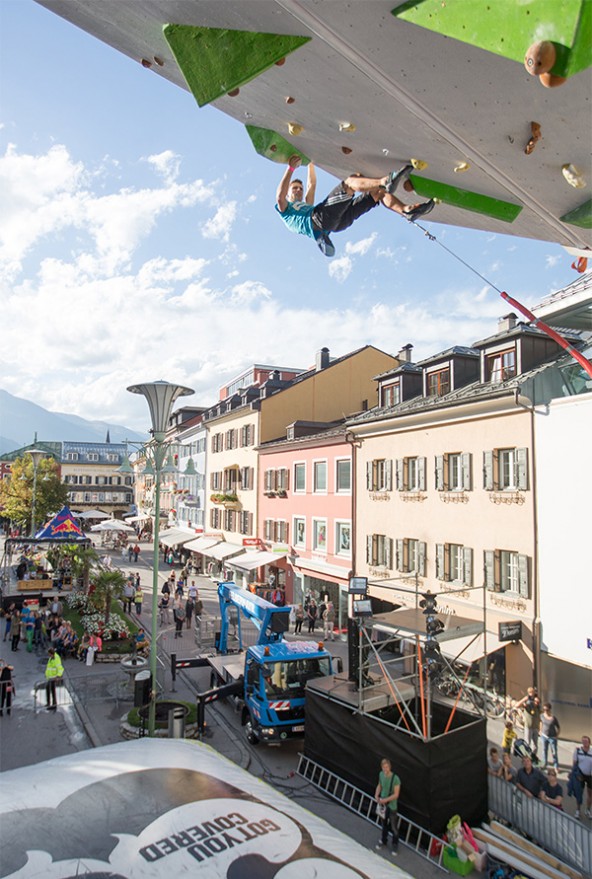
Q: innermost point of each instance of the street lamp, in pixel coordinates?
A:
(36, 456)
(160, 396)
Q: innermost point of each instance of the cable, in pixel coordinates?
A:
(456, 256)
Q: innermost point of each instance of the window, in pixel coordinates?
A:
(379, 550)
(500, 366)
(231, 438)
(217, 442)
(216, 480)
(71, 456)
(281, 479)
(229, 520)
(281, 531)
(320, 476)
(230, 480)
(247, 435)
(269, 529)
(247, 476)
(245, 522)
(299, 531)
(343, 475)
(300, 477)
(343, 538)
(507, 571)
(505, 470)
(454, 563)
(454, 471)
(319, 535)
(391, 394)
(411, 556)
(438, 382)
(216, 518)
(379, 475)
(411, 474)
(92, 456)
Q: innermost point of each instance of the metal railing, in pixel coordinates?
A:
(411, 835)
(554, 830)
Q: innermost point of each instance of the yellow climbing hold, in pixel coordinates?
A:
(461, 166)
(295, 129)
(347, 126)
(437, 200)
(419, 165)
(574, 176)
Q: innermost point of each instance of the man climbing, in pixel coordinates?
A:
(349, 200)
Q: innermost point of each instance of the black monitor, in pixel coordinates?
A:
(358, 585)
(363, 607)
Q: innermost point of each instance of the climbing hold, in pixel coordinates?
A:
(460, 167)
(385, 152)
(535, 132)
(540, 57)
(234, 93)
(418, 164)
(273, 148)
(347, 126)
(280, 63)
(574, 176)
(437, 200)
(550, 80)
(145, 63)
(581, 265)
(295, 129)
(346, 150)
(158, 61)
(290, 100)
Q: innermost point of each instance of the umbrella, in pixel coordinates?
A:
(93, 514)
(112, 525)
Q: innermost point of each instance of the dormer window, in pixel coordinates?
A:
(391, 394)
(500, 366)
(93, 456)
(438, 382)
(71, 456)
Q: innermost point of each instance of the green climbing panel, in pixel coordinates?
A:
(273, 146)
(215, 61)
(465, 199)
(509, 27)
(581, 216)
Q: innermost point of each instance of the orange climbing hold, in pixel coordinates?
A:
(540, 57)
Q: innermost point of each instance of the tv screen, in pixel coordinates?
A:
(358, 585)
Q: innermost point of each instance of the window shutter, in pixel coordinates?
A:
(398, 555)
(447, 566)
(369, 559)
(267, 480)
(521, 464)
(465, 461)
(488, 569)
(439, 561)
(421, 467)
(399, 470)
(422, 551)
(388, 553)
(388, 474)
(369, 475)
(523, 579)
(488, 471)
(286, 479)
(251, 476)
(468, 566)
(439, 472)
(249, 523)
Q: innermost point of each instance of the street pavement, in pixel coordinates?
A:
(96, 700)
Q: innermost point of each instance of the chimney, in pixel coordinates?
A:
(322, 359)
(404, 354)
(506, 323)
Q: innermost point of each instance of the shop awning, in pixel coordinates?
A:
(176, 536)
(318, 567)
(471, 649)
(224, 550)
(201, 544)
(255, 559)
(137, 518)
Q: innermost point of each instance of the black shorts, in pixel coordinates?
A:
(586, 781)
(339, 210)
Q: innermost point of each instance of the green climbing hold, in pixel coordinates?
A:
(581, 216)
(273, 146)
(465, 199)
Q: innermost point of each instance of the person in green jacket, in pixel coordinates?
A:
(53, 670)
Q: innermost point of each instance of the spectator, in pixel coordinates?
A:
(192, 591)
(189, 608)
(141, 642)
(329, 621)
(509, 773)
(494, 764)
(531, 707)
(299, 619)
(164, 608)
(552, 792)
(7, 620)
(138, 598)
(130, 553)
(311, 614)
(529, 780)
(136, 552)
(508, 737)
(179, 615)
(387, 796)
(15, 631)
(7, 690)
(53, 672)
(128, 595)
(582, 770)
(549, 730)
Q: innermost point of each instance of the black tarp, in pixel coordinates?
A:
(444, 776)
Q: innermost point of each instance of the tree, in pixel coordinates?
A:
(16, 493)
(78, 558)
(107, 585)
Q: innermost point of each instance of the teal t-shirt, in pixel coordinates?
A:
(387, 786)
(297, 218)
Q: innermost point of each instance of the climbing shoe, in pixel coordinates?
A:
(420, 211)
(325, 244)
(397, 178)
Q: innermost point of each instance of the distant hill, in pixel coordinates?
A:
(20, 420)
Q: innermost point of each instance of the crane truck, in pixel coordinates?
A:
(269, 677)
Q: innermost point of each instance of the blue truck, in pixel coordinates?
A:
(269, 677)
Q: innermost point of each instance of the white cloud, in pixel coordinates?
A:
(167, 164)
(360, 248)
(340, 268)
(250, 291)
(551, 261)
(220, 225)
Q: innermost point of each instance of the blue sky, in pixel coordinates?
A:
(138, 241)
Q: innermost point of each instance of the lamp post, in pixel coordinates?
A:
(160, 396)
(36, 456)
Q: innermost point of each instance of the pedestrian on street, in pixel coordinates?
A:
(582, 770)
(136, 552)
(299, 619)
(189, 608)
(329, 621)
(387, 796)
(54, 670)
(179, 615)
(138, 598)
(15, 631)
(128, 595)
(531, 708)
(311, 614)
(7, 689)
(164, 607)
(549, 732)
(7, 621)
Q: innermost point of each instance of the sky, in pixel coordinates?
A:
(138, 242)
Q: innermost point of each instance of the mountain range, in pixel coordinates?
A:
(20, 420)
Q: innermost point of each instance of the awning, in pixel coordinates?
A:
(255, 559)
(175, 536)
(137, 518)
(318, 566)
(223, 550)
(471, 649)
(201, 544)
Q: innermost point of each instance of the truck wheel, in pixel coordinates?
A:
(252, 737)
